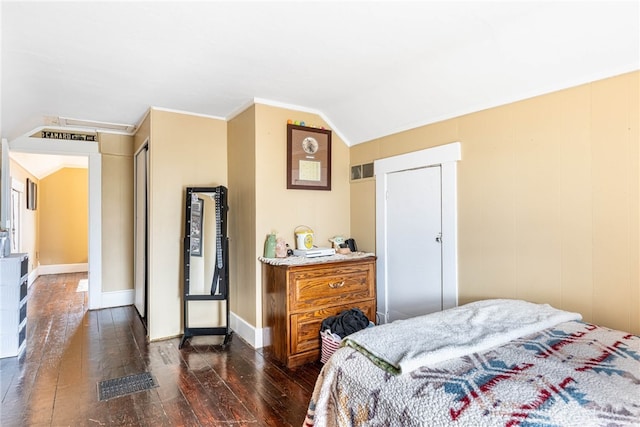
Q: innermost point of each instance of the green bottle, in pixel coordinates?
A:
(270, 246)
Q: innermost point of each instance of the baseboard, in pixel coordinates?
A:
(56, 269)
(62, 268)
(32, 276)
(108, 299)
(266, 337)
(247, 332)
(252, 335)
(117, 298)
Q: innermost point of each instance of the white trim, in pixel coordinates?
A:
(296, 108)
(266, 337)
(186, 113)
(286, 106)
(96, 126)
(107, 299)
(77, 129)
(5, 183)
(144, 150)
(240, 109)
(28, 144)
(144, 146)
(95, 231)
(90, 149)
(117, 298)
(450, 234)
(17, 185)
(143, 118)
(247, 332)
(62, 268)
(417, 159)
(32, 276)
(446, 157)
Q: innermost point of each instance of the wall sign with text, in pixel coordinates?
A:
(69, 136)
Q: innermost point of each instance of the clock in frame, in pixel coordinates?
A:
(308, 158)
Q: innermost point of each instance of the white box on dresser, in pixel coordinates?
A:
(14, 271)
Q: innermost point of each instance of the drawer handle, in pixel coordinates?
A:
(336, 285)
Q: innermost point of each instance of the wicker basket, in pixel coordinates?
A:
(330, 343)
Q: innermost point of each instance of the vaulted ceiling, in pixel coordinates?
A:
(369, 68)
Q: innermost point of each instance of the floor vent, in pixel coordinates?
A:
(117, 387)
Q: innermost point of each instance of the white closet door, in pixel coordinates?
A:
(414, 251)
(140, 266)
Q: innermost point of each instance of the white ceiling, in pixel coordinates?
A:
(41, 165)
(369, 68)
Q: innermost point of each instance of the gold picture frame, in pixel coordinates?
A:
(308, 158)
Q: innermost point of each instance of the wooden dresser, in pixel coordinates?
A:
(297, 298)
(14, 271)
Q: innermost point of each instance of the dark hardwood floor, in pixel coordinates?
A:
(70, 350)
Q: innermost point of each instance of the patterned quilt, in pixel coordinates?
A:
(573, 374)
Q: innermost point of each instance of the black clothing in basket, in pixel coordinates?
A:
(346, 323)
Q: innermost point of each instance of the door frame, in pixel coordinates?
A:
(90, 149)
(446, 157)
(142, 150)
(18, 187)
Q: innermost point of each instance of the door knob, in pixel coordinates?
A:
(439, 237)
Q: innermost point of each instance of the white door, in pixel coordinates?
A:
(416, 200)
(141, 233)
(414, 229)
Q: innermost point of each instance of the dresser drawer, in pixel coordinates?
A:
(297, 298)
(331, 285)
(23, 312)
(24, 288)
(305, 327)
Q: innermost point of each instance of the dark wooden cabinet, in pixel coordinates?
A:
(297, 298)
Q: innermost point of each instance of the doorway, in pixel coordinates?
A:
(416, 232)
(90, 150)
(141, 231)
(17, 200)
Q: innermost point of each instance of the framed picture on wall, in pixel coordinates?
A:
(32, 195)
(308, 158)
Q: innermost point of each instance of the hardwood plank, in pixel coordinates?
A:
(277, 408)
(230, 406)
(70, 349)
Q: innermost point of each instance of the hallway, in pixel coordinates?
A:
(70, 350)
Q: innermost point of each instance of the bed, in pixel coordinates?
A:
(488, 363)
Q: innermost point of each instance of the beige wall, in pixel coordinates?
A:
(117, 211)
(143, 133)
(242, 215)
(28, 218)
(63, 230)
(261, 204)
(548, 199)
(184, 150)
(548, 192)
(281, 210)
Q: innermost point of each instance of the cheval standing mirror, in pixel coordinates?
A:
(206, 260)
